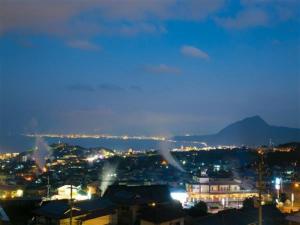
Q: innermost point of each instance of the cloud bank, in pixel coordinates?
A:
(83, 19)
(66, 18)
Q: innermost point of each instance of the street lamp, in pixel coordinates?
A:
(292, 199)
(277, 185)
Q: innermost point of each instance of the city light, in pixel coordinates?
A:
(179, 196)
(19, 193)
(277, 183)
(158, 112)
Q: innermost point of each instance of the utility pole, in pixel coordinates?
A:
(71, 205)
(260, 185)
(293, 199)
(48, 188)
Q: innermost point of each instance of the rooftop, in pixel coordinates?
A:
(60, 208)
(131, 195)
(162, 213)
(271, 216)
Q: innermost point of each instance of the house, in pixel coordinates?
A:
(64, 192)
(131, 199)
(10, 191)
(170, 214)
(87, 212)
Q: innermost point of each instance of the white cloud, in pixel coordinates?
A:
(61, 17)
(83, 45)
(92, 17)
(192, 51)
(252, 17)
(162, 69)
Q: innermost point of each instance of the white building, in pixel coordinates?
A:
(218, 193)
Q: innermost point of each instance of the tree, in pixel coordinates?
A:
(283, 197)
(199, 209)
(248, 203)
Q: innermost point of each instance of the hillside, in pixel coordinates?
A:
(249, 131)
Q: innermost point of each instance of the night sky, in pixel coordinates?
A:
(147, 67)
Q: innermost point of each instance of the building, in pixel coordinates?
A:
(123, 205)
(89, 212)
(218, 193)
(10, 191)
(7, 156)
(170, 214)
(93, 189)
(64, 192)
(132, 200)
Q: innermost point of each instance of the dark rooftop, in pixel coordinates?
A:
(59, 209)
(131, 195)
(162, 213)
(3, 216)
(271, 216)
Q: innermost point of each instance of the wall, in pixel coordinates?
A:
(67, 221)
(103, 220)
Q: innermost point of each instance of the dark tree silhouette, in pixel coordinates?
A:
(199, 209)
(248, 203)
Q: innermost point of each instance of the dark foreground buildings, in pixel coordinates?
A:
(140, 205)
(124, 205)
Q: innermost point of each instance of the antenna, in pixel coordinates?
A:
(71, 208)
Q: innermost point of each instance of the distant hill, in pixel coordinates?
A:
(252, 131)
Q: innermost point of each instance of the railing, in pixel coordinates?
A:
(225, 192)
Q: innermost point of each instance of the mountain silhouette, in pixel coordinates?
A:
(252, 131)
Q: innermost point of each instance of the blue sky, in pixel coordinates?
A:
(147, 67)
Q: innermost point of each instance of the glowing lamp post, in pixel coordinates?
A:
(277, 185)
(292, 199)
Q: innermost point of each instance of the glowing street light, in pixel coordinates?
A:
(277, 185)
(292, 199)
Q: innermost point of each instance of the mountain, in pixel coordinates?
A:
(252, 131)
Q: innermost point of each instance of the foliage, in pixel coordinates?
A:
(248, 203)
(199, 209)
